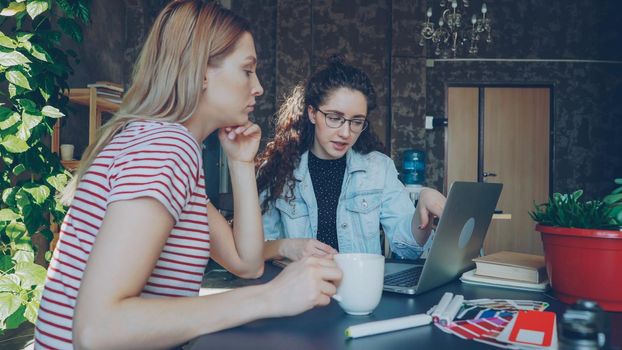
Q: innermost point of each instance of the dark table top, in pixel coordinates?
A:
(323, 327)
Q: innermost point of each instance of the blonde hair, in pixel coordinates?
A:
(187, 36)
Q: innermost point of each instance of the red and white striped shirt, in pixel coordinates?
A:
(147, 159)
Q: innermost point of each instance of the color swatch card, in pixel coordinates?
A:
(484, 330)
(507, 304)
(473, 312)
(470, 329)
(531, 329)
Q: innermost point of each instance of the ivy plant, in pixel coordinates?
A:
(34, 68)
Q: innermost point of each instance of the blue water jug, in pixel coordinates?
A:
(413, 167)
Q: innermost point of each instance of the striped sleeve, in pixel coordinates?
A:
(166, 169)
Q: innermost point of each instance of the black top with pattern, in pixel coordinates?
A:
(327, 178)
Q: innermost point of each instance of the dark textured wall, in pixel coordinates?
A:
(294, 36)
(408, 81)
(578, 29)
(265, 36)
(111, 44)
(100, 58)
(586, 110)
(139, 17)
(360, 30)
(586, 104)
(380, 36)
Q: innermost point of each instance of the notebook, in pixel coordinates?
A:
(459, 237)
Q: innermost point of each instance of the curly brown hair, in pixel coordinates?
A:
(294, 133)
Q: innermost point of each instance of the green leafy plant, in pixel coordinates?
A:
(615, 201)
(33, 74)
(567, 210)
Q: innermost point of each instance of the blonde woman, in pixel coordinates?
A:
(137, 237)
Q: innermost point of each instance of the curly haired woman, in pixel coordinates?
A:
(325, 185)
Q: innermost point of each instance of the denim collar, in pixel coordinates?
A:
(354, 162)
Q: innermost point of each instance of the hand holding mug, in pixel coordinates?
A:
(303, 285)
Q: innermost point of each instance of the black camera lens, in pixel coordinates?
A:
(584, 326)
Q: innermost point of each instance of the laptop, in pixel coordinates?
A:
(459, 237)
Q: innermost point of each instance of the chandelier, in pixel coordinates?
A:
(453, 34)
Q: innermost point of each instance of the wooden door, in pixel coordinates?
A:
(512, 136)
(462, 135)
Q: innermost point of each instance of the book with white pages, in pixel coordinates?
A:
(470, 277)
(512, 265)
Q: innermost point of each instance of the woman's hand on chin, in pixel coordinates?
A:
(241, 142)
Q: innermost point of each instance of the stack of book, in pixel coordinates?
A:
(509, 270)
(112, 92)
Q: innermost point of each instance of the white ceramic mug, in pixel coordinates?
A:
(360, 289)
(66, 152)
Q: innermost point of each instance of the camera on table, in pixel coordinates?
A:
(584, 326)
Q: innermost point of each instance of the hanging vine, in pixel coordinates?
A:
(34, 68)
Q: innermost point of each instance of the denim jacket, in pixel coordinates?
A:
(371, 196)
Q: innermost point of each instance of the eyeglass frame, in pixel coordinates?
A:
(343, 120)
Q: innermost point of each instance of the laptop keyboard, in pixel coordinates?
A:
(406, 278)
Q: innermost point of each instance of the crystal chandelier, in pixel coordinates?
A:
(452, 33)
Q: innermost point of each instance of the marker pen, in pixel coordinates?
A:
(451, 311)
(394, 324)
(441, 306)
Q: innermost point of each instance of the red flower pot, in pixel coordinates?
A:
(584, 264)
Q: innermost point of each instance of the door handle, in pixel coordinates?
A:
(487, 174)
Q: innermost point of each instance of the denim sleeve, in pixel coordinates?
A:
(396, 216)
(272, 226)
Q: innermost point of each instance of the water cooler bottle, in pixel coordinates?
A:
(413, 172)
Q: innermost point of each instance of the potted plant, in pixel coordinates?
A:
(583, 246)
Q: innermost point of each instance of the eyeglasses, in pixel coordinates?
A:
(336, 120)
